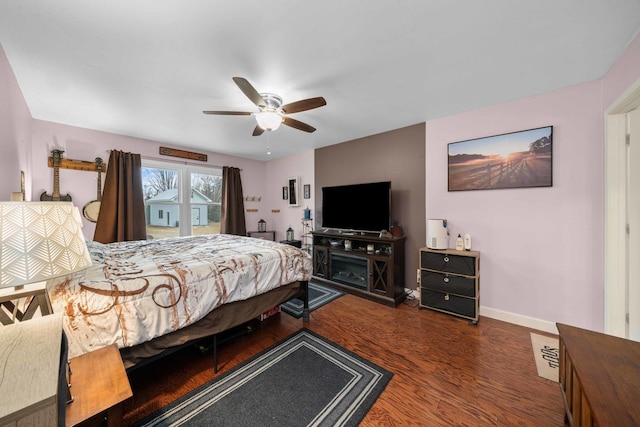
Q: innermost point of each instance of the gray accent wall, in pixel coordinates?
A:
(397, 156)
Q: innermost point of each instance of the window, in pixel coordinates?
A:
(168, 211)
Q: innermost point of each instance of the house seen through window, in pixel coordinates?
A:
(181, 200)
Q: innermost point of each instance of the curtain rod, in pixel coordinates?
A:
(180, 162)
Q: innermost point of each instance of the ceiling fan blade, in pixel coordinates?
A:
(258, 131)
(228, 113)
(250, 92)
(297, 124)
(303, 105)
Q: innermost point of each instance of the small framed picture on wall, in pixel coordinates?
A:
(294, 185)
(307, 191)
(285, 193)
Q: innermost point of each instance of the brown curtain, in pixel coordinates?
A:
(121, 215)
(232, 221)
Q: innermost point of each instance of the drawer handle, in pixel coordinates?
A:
(446, 279)
(446, 259)
(446, 297)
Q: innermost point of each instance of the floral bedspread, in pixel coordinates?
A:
(136, 291)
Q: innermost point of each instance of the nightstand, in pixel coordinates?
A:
(296, 243)
(99, 386)
(30, 356)
(9, 296)
(450, 282)
(266, 235)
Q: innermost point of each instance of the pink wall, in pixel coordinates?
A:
(278, 172)
(86, 144)
(260, 179)
(542, 249)
(15, 131)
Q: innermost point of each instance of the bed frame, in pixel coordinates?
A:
(217, 321)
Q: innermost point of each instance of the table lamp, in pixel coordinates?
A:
(40, 241)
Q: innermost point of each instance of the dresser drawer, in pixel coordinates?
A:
(447, 283)
(448, 302)
(448, 263)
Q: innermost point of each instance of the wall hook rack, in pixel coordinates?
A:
(82, 165)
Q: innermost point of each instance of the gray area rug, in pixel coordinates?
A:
(319, 295)
(304, 380)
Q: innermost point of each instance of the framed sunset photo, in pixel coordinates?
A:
(512, 160)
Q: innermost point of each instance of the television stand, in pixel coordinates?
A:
(365, 265)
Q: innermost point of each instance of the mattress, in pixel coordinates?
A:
(137, 291)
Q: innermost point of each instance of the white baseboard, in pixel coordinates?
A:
(505, 316)
(519, 319)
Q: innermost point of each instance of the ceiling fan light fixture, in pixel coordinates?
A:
(272, 113)
(269, 120)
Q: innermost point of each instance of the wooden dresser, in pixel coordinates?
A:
(599, 378)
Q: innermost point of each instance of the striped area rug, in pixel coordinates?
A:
(303, 380)
(319, 295)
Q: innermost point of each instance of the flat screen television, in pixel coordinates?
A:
(358, 207)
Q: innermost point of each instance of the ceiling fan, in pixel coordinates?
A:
(272, 113)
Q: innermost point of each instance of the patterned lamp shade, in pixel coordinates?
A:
(40, 241)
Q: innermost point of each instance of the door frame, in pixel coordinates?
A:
(615, 251)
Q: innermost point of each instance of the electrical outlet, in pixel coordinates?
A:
(418, 276)
(415, 293)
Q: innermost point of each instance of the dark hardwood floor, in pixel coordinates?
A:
(447, 372)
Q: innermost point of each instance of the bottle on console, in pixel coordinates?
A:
(459, 243)
(467, 242)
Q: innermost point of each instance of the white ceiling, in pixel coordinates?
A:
(147, 68)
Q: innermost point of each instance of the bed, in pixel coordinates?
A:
(153, 295)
